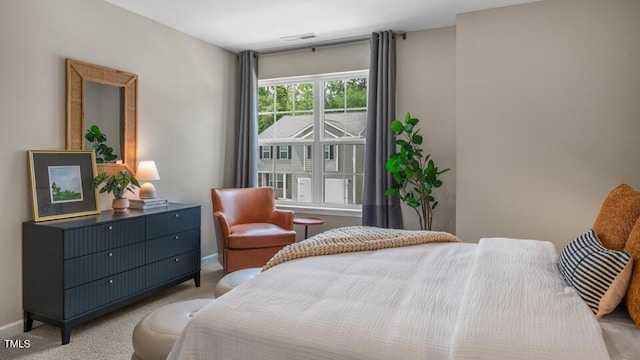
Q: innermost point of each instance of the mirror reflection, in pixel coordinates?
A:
(103, 108)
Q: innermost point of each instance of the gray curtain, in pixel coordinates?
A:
(377, 208)
(246, 149)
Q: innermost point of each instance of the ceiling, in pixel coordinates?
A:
(260, 25)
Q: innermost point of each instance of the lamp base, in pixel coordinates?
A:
(147, 191)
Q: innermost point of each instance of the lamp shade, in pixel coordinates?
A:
(147, 171)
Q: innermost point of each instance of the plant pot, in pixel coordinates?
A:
(120, 205)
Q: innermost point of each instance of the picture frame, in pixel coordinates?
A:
(62, 184)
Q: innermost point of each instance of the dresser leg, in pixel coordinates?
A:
(28, 322)
(196, 279)
(65, 334)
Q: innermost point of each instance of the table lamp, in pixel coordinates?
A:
(147, 171)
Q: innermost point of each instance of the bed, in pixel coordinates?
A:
(497, 299)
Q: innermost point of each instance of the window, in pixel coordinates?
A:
(316, 127)
(328, 152)
(283, 151)
(265, 152)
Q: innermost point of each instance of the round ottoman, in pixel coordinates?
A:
(233, 279)
(154, 336)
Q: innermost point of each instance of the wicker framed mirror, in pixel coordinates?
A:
(79, 76)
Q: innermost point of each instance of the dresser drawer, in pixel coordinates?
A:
(172, 222)
(108, 235)
(173, 267)
(163, 247)
(101, 292)
(87, 268)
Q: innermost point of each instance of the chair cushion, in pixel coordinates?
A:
(258, 235)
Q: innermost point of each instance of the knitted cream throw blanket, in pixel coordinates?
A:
(356, 238)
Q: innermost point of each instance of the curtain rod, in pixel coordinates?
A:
(313, 47)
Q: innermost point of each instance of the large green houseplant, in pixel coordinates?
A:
(117, 184)
(415, 175)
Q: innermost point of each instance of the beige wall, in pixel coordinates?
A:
(547, 116)
(426, 73)
(324, 60)
(185, 106)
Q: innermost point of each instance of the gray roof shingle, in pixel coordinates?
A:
(290, 126)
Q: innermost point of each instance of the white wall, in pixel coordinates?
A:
(548, 116)
(185, 107)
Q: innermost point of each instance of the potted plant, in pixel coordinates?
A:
(415, 175)
(117, 184)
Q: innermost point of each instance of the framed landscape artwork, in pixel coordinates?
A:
(61, 184)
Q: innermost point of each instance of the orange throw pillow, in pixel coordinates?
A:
(633, 291)
(617, 216)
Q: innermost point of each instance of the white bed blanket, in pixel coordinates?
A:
(417, 302)
(515, 306)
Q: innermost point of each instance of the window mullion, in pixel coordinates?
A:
(344, 99)
(317, 154)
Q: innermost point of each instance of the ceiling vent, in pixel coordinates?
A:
(299, 37)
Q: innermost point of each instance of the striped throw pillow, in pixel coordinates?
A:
(599, 275)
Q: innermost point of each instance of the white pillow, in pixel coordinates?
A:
(599, 275)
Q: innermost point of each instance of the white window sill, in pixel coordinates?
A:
(321, 209)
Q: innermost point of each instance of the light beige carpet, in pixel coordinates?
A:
(109, 336)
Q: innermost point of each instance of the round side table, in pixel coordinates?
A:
(307, 221)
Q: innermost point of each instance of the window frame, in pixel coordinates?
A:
(317, 205)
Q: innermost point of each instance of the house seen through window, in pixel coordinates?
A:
(311, 134)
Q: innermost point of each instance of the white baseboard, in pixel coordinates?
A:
(15, 328)
(210, 258)
(10, 330)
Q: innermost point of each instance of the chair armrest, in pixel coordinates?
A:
(222, 221)
(283, 218)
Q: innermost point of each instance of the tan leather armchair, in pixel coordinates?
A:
(249, 228)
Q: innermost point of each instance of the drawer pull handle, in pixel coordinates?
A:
(177, 259)
(176, 215)
(110, 281)
(176, 237)
(110, 254)
(110, 227)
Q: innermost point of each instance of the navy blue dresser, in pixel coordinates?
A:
(74, 270)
